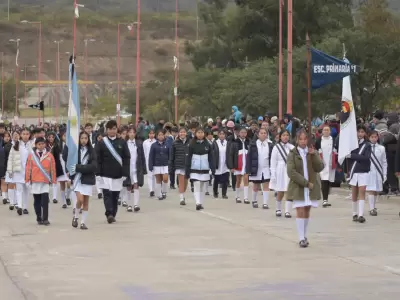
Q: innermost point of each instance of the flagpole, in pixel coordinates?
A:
(308, 80)
(177, 65)
(290, 58)
(118, 77)
(74, 33)
(280, 59)
(138, 63)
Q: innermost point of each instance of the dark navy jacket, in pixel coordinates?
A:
(159, 155)
(362, 161)
(252, 157)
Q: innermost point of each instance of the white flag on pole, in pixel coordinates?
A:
(348, 140)
(176, 62)
(77, 10)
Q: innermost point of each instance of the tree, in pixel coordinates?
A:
(9, 95)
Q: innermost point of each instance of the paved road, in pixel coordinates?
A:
(228, 251)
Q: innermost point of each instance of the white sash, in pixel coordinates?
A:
(78, 176)
(355, 162)
(39, 164)
(114, 153)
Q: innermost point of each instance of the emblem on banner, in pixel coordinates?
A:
(347, 108)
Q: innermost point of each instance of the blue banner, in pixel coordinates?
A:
(326, 69)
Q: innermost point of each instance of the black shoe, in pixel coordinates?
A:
(75, 222)
(4, 201)
(303, 244)
(373, 212)
(288, 215)
(11, 207)
(110, 219)
(46, 223)
(238, 200)
(129, 209)
(265, 206)
(136, 208)
(183, 202)
(39, 221)
(355, 218)
(19, 211)
(207, 194)
(25, 212)
(55, 201)
(68, 201)
(215, 196)
(160, 198)
(119, 202)
(172, 187)
(192, 189)
(224, 197)
(199, 207)
(254, 204)
(124, 204)
(64, 206)
(278, 213)
(16, 206)
(84, 227)
(152, 194)
(99, 196)
(234, 189)
(246, 201)
(361, 219)
(164, 195)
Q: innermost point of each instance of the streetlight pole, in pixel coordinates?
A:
(290, 57)
(57, 78)
(138, 64)
(16, 74)
(280, 84)
(177, 60)
(39, 58)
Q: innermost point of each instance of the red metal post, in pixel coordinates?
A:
(85, 66)
(290, 59)
(309, 80)
(57, 79)
(177, 64)
(40, 66)
(118, 78)
(25, 86)
(138, 64)
(16, 88)
(280, 87)
(2, 84)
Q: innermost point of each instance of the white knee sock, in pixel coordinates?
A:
(355, 207)
(278, 205)
(18, 195)
(300, 228)
(238, 192)
(55, 190)
(197, 191)
(203, 186)
(371, 202)
(73, 198)
(25, 196)
(245, 192)
(305, 227)
(361, 207)
(265, 197)
(5, 195)
(164, 186)
(63, 198)
(206, 187)
(136, 196)
(84, 216)
(288, 206)
(181, 196)
(254, 196)
(158, 189)
(11, 196)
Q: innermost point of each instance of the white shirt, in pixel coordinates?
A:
(263, 154)
(222, 168)
(146, 148)
(133, 150)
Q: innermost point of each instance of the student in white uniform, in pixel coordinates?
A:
(137, 170)
(84, 178)
(220, 154)
(327, 151)
(123, 134)
(258, 166)
(151, 180)
(359, 166)
(8, 190)
(303, 167)
(279, 178)
(62, 177)
(378, 173)
(16, 168)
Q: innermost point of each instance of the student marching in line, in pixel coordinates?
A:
(99, 137)
(158, 164)
(40, 173)
(177, 162)
(16, 168)
(303, 167)
(326, 149)
(220, 154)
(122, 134)
(258, 166)
(7, 185)
(210, 140)
(359, 166)
(237, 157)
(378, 172)
(198, 165)
(279, 178)
(113, 160)
(137, 170)
(151, 180)
(52, 147)
(84, 178)
(62, 177)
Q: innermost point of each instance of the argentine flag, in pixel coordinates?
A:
(74, 117)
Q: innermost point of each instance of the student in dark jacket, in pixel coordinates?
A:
(158, 164)
(112, 171)
(258, 166)
(177, 162)
(198, 165)
(359, 166)
(138, 170)
(220, 154)
(7, 187)
(84, 178)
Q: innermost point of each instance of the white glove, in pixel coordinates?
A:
(320, 151)
(73, 170)
(123, 178)
(28, 184)
(348, 156)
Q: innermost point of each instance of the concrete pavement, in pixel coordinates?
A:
(228, 251)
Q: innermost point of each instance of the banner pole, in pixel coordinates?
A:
(308, 81)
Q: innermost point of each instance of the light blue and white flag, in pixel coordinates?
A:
(74, 117)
